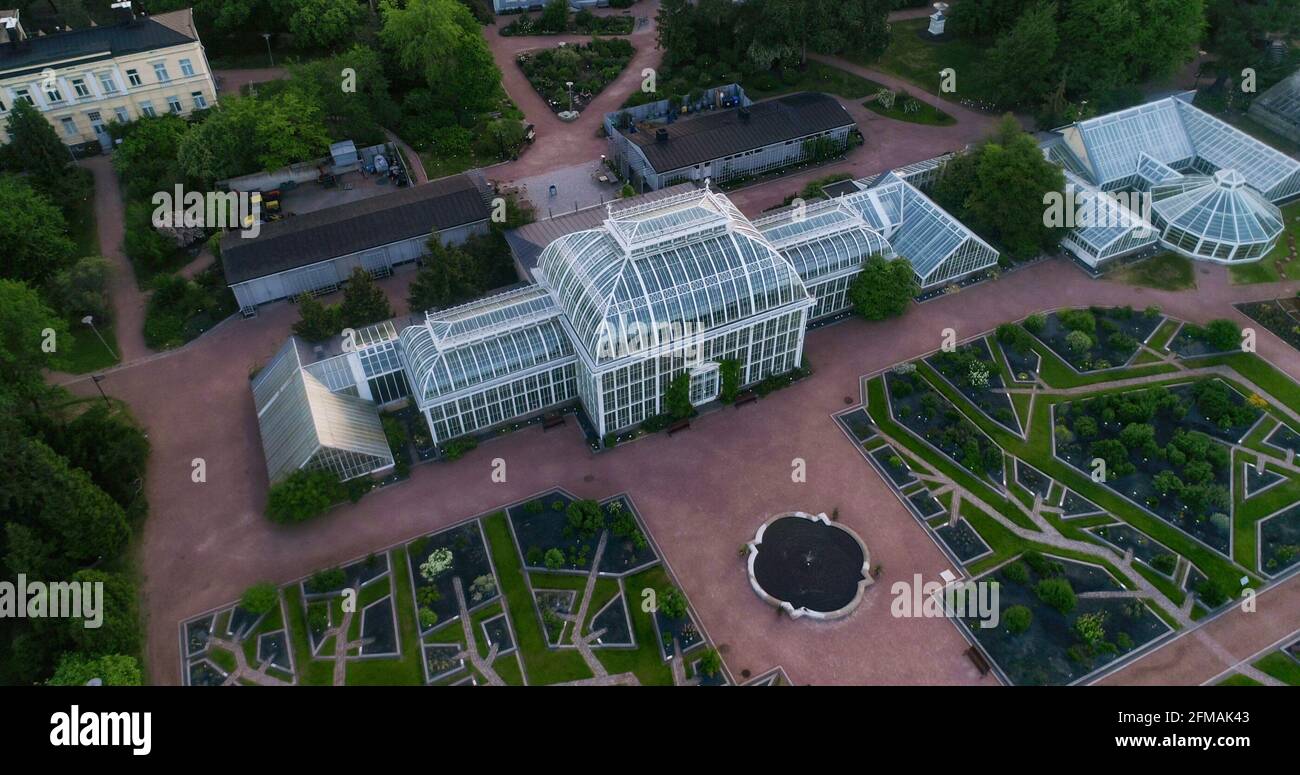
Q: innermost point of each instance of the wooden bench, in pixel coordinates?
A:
(977, 656)
(552, 420)
(680, 425)
(746, 397)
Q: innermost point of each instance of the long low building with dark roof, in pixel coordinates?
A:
(315, 252)
(722, 145)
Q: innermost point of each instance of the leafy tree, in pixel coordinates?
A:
(1057, 593)
(259, 598)
(729, 371)
(78, 290)
(302, 495)
(360, 114)
(324, 23)
(363, 301)
(553, 559)
(440, 41)
(107, 444)
(710, 662)
(24, 320)
(585, 517)
(555, 16)
(146, 159)
(1021, 64)
(316, 321)
(112, 669)
(1234, 27)
(119, 632)
(449, 276)
(884, 288)
(34, 147)
(507, 134)
(246, 134)
(1222, 334)
(33, 233)
(1017, 618)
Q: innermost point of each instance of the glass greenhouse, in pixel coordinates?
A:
(1211, 189)
(311, 417)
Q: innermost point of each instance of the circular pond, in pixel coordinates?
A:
(809, 566)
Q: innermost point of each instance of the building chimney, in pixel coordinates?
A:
(11, 29)
(125, 12)
(661, 135)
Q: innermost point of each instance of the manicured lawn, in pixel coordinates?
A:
(87, 353)
(1166, 272)
(1237, 679)
(1281, 667)
(814, 77)
(543, 665)
(920, 61)
(907, 108)
(1277, 264)
(644, 661)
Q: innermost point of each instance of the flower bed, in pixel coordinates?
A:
(1095, 338)
(589, 66)
(970, 369)
(924, 411)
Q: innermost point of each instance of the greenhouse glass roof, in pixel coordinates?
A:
(673, 268)
(1222, 208)
(1282, 99)
(823, 238)
(436, 372)
(1107, 220)
(298, 415)
(1176, 134)
(917, 228)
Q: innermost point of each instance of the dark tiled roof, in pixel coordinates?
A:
(337, 231)
(714, 135)
(144, 34)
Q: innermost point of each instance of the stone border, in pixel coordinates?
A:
(796, 613)
(1259, 547)
(769, 678)
(960, 521)
(1265, 441)
(1246, 493)
(627, 616)
(361, 630)
(514, 641)
(424, 662)
(1092, 531)
(1019, 430)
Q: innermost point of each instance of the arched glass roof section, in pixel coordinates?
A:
(665, 271)
(437, 373)
(1221, 208)
(1110, 228)
(823, 239)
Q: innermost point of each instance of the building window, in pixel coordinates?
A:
(107, 84)
(121, 115)
(199, 101)
(69, 126)
(22, 95)
(187, 68)
(133, 77)
(704, 384)
(53, 94)
(146, 108)
(160, 72)
(79, 86)
(174, 104)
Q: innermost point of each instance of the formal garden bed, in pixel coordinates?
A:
(1279, 541)
(1124, 537)
(1048, 633)
(407, 626)
(1218, 337)
(925, 503)
(1033, 481)
(962, 540)
(920, 408)
(583, 22)
(858, 424)
(1281, 316)
(561, 534)
(893, 465)
(1017, 347)
(589, 66)
(1159, 452)
(1096, 338)
(1075, 505)
(1283, 439)
(902, 106)
(1255, 480)
(971, 370)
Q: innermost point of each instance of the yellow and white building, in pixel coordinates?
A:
(82, 80)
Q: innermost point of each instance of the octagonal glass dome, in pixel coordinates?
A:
(1218, 217)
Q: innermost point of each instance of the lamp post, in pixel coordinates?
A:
(569, 85)
(98, 378)
(267, 37)
(90, 321)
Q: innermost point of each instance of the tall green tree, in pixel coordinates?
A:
(449, 276)
(146, 159)
(440, 41)
(33, 233)
(884, 288)
(111, 669)
(1022, 64)
(32, 338)
(324, 23)
(34, 147)
(364, 302)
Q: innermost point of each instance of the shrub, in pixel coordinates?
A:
(1017, 619)
(553, 559)
(1016, 573)
(1057, 593)
(438, 563)
(326, 580)
(1035, 324)
(428, 618)
(303, 495)
(710, 662)
(1078, 320)
(259, 598)
(1078, 342)
(456, 448)
(585, 517)
(1091, 627)
(672, 603)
